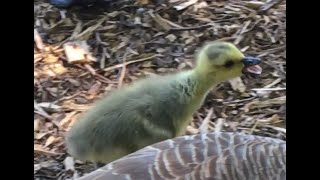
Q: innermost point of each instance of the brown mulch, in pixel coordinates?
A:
(128, 41)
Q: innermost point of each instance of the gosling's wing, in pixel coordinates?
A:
(208, 156)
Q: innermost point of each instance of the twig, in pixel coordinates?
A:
(130, 62)
(66, 98)
(247, 129)
(124, 69)
(283, 130)
(190, 28)
(103, 58)
(89, 68)
(239, 100)
(160, 43)
(204, 125)
(89, 29)
(225, 39)
(254, 127)
(159, 20)
(76, 30)
(241, 32)
(269, 5)
(273, 83)
(45, 152)
(268, 89)
(102, 78)
(169, 22)
(170, 30)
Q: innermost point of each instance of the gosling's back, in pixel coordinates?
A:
(150, 110)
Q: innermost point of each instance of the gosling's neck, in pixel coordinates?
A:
(205, 80)
(200, 81)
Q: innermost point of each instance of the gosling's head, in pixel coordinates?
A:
(225, 61)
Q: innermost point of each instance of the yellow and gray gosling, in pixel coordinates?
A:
(155, 108)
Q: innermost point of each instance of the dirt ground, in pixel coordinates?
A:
(130, 40)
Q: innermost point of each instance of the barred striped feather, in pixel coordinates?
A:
(222, 155)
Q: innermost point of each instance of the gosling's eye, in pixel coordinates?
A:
(228, 64)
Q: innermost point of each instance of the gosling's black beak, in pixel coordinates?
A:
(251, 66)
(250, 61)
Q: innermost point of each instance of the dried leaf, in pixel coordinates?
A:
(66, 121)
(160, 21)
(49, 141)
(39, 136)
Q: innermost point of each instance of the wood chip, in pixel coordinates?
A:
(78, 52)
